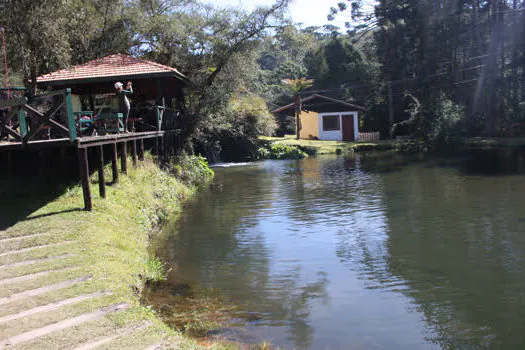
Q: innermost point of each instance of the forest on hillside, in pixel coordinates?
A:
(437, 70)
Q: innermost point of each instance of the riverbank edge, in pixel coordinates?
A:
(112, 242)
(318, 147)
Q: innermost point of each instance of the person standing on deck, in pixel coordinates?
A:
(123, 102)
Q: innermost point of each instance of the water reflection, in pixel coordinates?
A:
(366, 252)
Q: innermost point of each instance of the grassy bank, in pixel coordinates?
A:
(495, 142)
(62, 263)
(328, 147)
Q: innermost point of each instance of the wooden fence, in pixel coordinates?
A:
(369, 136)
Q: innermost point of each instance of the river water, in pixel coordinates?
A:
(377, 251)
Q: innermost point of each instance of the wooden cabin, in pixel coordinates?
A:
(325, 118)
(92, 88)
(77, 112)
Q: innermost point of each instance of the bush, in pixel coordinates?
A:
(448, 123)
(230, 133)
(155, 271)
(281, 151)
(192, 170)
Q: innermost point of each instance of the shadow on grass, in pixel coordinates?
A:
(33, 217)
(21, 198)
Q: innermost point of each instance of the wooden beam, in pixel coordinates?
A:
(124, 158)
(141, 150)
(84, 177)
(59, 126)
(101, 179)
(134, 152)
(47, 117)
(114, 166)
(13, 133)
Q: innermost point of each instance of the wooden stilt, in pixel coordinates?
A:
(114, 166)
(9, 165)
(84, 177)
(63, 162)
(42, 166)
(101, 179)
(161, 146)
(124, 158)
(141, 149)
(134, 152)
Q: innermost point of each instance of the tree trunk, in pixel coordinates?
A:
(298, 108)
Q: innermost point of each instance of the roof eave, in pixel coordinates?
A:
(61, 82)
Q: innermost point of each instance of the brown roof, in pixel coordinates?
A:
(113, 66)
(314, 96)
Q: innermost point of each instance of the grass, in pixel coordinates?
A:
(327, 147)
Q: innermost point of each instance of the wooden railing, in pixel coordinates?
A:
(33, 118)
(369, 136)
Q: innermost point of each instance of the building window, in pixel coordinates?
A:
(331, 123)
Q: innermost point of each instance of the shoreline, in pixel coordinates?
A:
(318, 147)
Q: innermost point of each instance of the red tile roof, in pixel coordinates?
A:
(117, 65)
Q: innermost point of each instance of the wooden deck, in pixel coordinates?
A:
(81, 142)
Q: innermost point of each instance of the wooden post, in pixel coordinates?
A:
(156, 147)
(84, 177)
(161, 150)
(42, 166)
(70, 117)
(63, 162)
(124, 158)
(101, 179)
(114, 166)
(10, 165)
(134, 153)
(141, 150)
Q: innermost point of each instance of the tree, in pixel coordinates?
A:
(296, 86)
(50, 34)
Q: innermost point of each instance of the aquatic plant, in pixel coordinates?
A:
(281, 151)
(154, 271)
(192, 170)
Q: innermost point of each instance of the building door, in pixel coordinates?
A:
(348, 127)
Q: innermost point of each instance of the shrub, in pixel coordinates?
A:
(447, 124)
(192, 170)
(155, 271)
(281, 151)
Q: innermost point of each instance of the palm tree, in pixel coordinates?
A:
(296, 86)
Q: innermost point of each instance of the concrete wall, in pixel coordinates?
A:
(309, 125)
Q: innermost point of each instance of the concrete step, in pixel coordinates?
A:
(67, 323)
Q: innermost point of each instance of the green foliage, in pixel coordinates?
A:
(155, 271)
(281, 151)
(252, 114)
(448, 123)
(192, 170)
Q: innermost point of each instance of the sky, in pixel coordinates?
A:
(308, 12)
